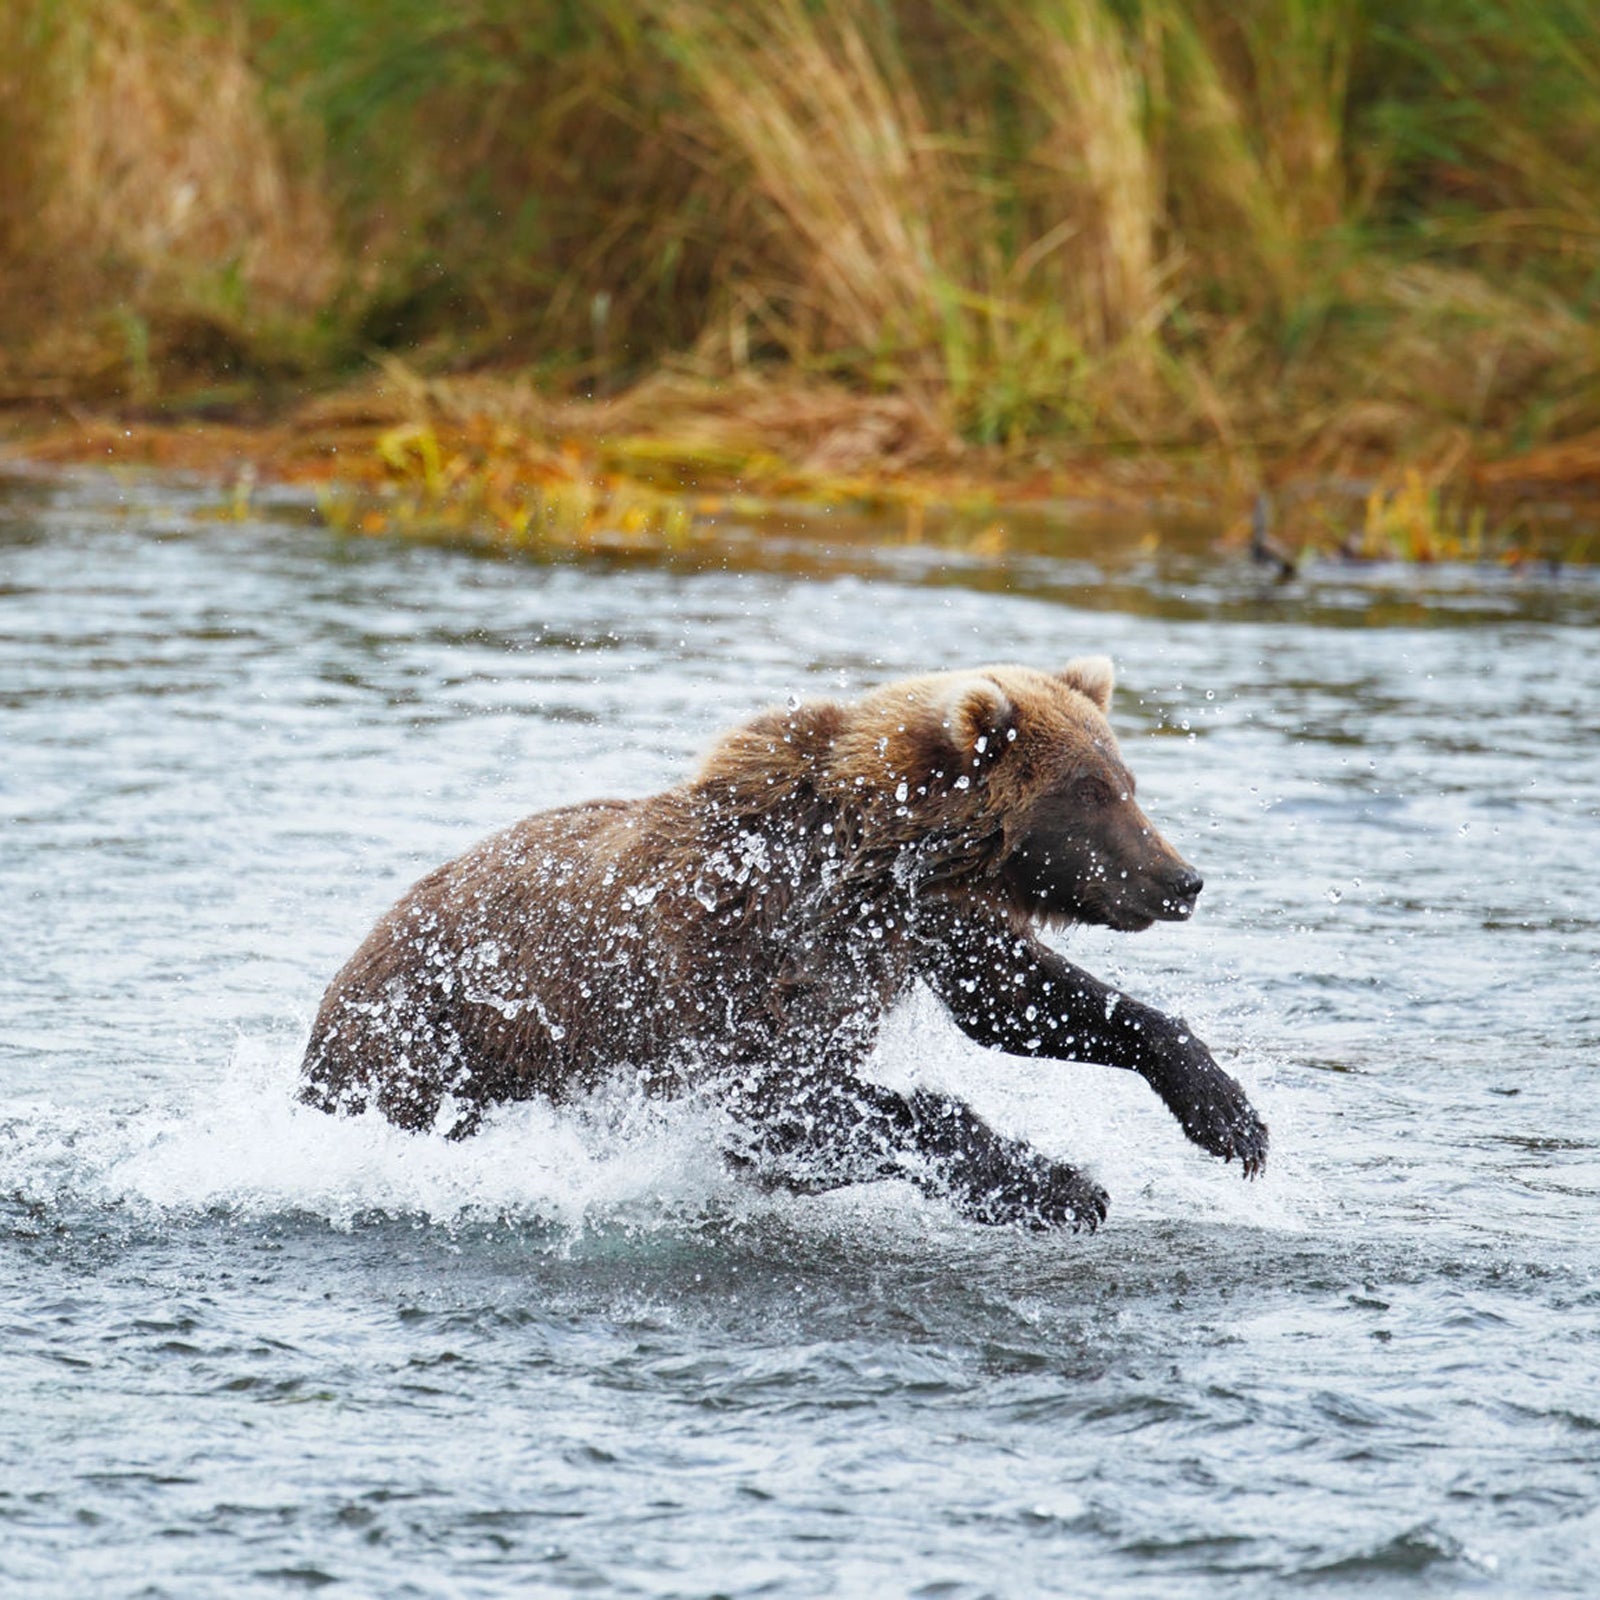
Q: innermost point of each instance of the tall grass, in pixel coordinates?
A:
(1336, 227)
(146, 177)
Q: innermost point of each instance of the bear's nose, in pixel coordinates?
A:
(1187, 884)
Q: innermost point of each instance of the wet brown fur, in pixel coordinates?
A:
(759, 918)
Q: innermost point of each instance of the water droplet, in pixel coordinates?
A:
(1335, 895)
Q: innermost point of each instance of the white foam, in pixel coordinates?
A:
(245, 1146)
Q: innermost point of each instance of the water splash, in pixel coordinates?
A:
(243, 1146)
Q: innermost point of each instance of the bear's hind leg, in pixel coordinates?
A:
(993, 1179)
(816, 1131)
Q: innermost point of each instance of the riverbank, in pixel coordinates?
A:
(492, 460)
(1335, 261)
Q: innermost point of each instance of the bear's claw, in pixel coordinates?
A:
(1227, 1125)
(1212, 1108)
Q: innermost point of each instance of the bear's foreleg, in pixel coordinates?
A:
(1010, 992)
(812, 1131)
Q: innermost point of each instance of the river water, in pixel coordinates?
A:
(251, 1350)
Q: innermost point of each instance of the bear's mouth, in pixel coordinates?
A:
(1165, 904)
(1126, 907)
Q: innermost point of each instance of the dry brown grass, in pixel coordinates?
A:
(847, 167)
(164, 156)
(823, 238)
(891, 248)
(154, 182)
(1095, 168)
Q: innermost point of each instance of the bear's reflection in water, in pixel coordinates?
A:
(742, 936)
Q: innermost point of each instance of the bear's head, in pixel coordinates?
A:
(1028, 758)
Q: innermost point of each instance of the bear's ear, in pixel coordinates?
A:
(980, 718)
(1093, 676)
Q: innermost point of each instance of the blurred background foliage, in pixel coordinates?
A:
(1335, 227)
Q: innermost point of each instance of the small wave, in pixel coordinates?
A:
(1418, 1550)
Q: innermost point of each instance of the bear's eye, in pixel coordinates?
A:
(1094, 792)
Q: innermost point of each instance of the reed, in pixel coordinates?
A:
(1325, 232)
(155, 187)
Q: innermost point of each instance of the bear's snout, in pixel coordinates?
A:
(1182, 890)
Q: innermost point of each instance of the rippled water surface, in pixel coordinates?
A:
(250, 1350)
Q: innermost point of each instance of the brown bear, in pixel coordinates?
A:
(743, 935)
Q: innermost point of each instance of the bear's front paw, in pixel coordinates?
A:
(1047, 1194)
(1217, 1115)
